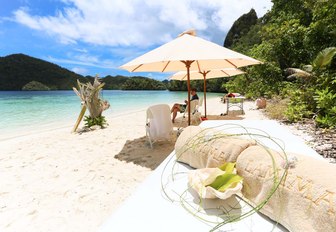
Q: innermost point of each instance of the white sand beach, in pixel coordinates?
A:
(59, 181)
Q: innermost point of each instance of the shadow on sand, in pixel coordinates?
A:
(139, 152)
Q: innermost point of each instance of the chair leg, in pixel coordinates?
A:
(179, 131)
(149, 138)
(150, 143)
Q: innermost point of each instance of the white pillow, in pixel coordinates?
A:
(305, 199)
(206, 148)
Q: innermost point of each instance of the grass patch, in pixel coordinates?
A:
(276, 108)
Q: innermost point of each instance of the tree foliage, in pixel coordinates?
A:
(142, 83)
(212, 85)
(114, 82)
(297, 34)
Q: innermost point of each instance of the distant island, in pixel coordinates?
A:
(23, 72)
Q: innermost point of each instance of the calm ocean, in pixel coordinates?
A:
(25, 112)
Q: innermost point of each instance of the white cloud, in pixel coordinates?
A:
(80, 70)
(83, 50)
(86, 58)
(104, 63)
(23, 17)
(139, 22)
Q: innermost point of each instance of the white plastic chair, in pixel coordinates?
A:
(199, 106)
(193, 108)
(158, 123)
(195, 115)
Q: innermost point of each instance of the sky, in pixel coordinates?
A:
(95, 37)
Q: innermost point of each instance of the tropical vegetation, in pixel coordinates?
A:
(287, 38)
(142, 83)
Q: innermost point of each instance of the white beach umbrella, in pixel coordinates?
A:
(204, 75)
(188, 52)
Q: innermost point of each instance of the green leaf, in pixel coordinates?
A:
(324, 57)
(232, 181)
(100, 121)
(228, 167)
(225, 181)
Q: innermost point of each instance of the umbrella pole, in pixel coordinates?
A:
(187, 64)
(204, 90)
(188, 84)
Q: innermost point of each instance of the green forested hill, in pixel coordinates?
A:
(240, 27)
(114, 82)
(143, 83)
(22, 72)
(132, 83)
(18, 70)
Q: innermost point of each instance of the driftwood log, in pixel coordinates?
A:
(90, 98)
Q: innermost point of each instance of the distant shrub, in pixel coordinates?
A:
(35, 86)
(298, 107)
(326, 105)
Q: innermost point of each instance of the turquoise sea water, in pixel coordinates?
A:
(24, 112)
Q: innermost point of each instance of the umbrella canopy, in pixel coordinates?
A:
(210, 74)
(206, 55)
(188, 52)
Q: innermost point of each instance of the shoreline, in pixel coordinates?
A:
(9, 134)
(17, 133)
(67, 121)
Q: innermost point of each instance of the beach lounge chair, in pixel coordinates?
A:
(158, 123)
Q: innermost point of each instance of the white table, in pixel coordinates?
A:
(149, 208)
(237, 102)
